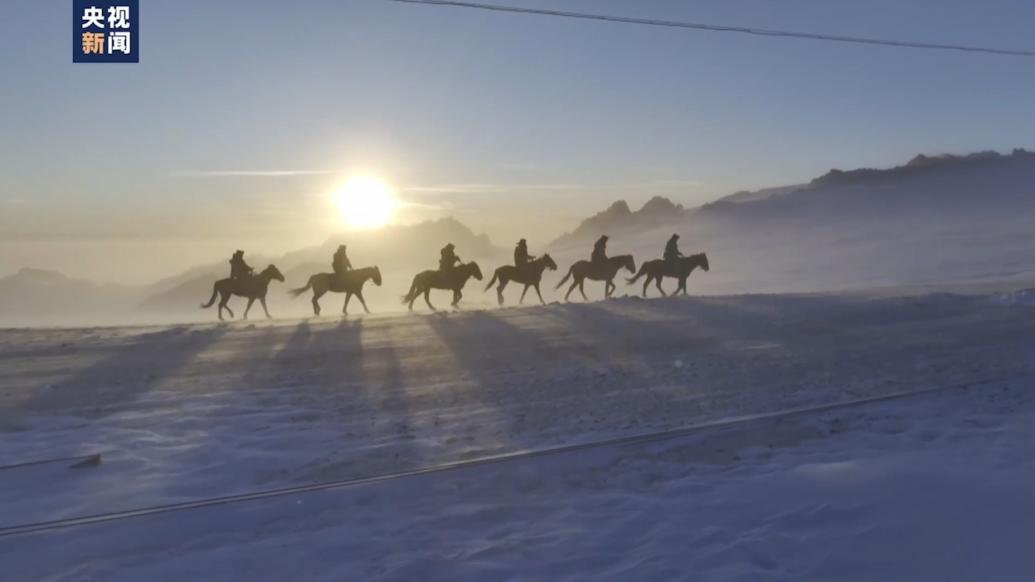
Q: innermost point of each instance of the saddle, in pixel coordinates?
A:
(242, 283)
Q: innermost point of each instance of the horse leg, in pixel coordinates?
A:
(570, 289)
(345, 308)
(582, 289)
(262, 300)
(359, 295)
(646, 282)
(523, 291)
(539, 293)
(250, 301)
(609, 288)
(427, 298)
(682, 285)
(316, 301)
(457, 295)
(499, 290)
(657, 283)
(223, 301)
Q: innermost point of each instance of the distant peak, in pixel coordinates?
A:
(660, 205)
(618, 207)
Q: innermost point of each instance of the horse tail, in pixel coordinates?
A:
(412, 292)
(301, 290)
(493, 281)
(643, 271)
(566, 277)
(215, 291)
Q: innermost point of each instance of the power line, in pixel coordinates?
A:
(720, 28)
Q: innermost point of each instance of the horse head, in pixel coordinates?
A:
(628, 262)
(474, 270)
(376, 276)
(547, 260)
(272, 272)
(702, 259)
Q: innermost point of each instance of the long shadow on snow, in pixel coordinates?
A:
(121, 378)
(350, 399)
(530, 390)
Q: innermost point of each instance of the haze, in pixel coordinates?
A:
(242, 117)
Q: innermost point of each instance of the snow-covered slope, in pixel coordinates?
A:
(932, 487)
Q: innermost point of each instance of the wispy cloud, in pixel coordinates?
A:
(491, 188)
(253, 173)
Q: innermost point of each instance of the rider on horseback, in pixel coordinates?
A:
(672, 250)
(448, 259)
(341, 263)
(521, 256)
(599, 256)
(239, 270)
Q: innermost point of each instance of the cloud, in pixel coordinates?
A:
(254, 173)
(491, 188)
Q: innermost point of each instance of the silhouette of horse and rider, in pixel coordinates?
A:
(452, 275)
(672, 264)
(344, 279)
(527, 270)
(600, 267)
(243, 283)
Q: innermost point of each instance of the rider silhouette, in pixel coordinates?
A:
(239, 269)
(521, 256)
(599, 256)
(448, 259)
(341, 263)
(672, 250)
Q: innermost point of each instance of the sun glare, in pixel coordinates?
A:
(365, 202)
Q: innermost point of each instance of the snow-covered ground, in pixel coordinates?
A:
(934, 486)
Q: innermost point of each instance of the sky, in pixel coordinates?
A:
(243, 116)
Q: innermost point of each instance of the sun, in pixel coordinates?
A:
(365, 202)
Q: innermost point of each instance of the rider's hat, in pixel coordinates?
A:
(522, 241)
(238, 252)
(674, 235)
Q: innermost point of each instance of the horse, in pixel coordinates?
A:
(659, 268)
(350, 283)
(583, 270)
(253, 287)
(452, 280)
(530, 276)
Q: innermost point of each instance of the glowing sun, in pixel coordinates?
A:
(365, 202)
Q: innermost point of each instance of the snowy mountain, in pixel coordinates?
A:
(945, 187)
(34, 296)
(932, 219)
(619, 218)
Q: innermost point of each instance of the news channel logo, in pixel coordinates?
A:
(105, 32)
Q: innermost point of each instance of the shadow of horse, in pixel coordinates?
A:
(253, 287)
(350, 283)
(452, 280)
(657, 269)
(529, 276)
(583, 270)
